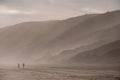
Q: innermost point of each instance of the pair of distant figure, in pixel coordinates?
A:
(23, 65)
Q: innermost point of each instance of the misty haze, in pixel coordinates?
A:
(59, 40)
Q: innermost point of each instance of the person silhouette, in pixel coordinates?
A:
(23, 65)
(18, 65)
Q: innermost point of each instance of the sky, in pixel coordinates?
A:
(17, 11)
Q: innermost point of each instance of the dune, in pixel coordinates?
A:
(59, 40)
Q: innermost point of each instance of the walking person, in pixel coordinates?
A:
(23, 65)
(18, 66)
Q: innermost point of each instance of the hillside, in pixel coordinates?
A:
(108, 53)
(26, 41)
(60, 40)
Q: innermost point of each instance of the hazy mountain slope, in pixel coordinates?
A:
(78, 32)
(108, 53)
(41, 42)
(88, 32)
(105, 36)
(26, 40)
